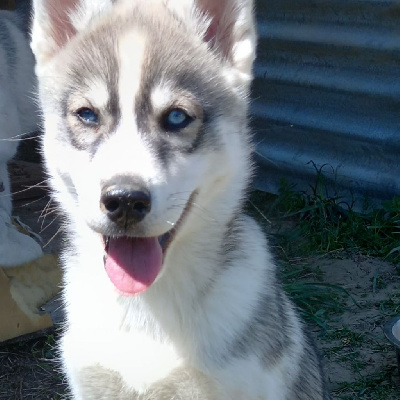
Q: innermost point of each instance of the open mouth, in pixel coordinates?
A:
(133, 263)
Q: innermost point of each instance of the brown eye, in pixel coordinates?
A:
(87, 116)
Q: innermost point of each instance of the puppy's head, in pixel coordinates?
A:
(144, 108)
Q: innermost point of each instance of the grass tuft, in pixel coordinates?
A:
(326, 224)
(310, 223)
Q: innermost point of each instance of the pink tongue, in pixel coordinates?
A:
(133, 263)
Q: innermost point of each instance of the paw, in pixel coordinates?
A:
(97, 383)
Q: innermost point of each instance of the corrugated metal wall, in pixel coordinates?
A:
(327, 90)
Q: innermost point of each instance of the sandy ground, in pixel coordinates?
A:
(356, 350)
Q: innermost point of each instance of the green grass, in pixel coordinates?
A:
(302, 226)
(327, 224)
(315, 223)
(306, 224)
(376, 386)
(391, 306)
(344, 347)
(372, 380)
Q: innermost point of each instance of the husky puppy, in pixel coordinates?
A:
(170, 289)
(18, 115)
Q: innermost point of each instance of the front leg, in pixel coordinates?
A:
(183, 383)
(98, 383)
(111, 363)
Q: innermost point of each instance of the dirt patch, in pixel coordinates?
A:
(29, 371)
(360, 361)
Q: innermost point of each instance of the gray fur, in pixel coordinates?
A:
(92, 65)
(311, 384)
(216, 270)
(183, 72)
(6, 39)
(267, 334)
(23, 11)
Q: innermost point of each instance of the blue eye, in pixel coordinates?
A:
(176, 120)
(87, 116)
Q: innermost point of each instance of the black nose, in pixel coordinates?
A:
(125, 204)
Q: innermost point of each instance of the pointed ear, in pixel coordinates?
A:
(227, 25)
(55, 22)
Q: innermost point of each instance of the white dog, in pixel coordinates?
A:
(18, 115)
(170, 289)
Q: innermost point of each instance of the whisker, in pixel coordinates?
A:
(43, 218)
(53, 237)
(48, 225)
(259, 211)
(45, 212)
(177, 193)
(39, 185)
(46, 208)
(193, 204)
(30, 203)
(203, 212)
(28, 229)
(36, 185)
(48, 212)
(16, 140)
(20, 137)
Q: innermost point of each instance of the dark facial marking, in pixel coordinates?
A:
(174, 62)
(92, 65)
